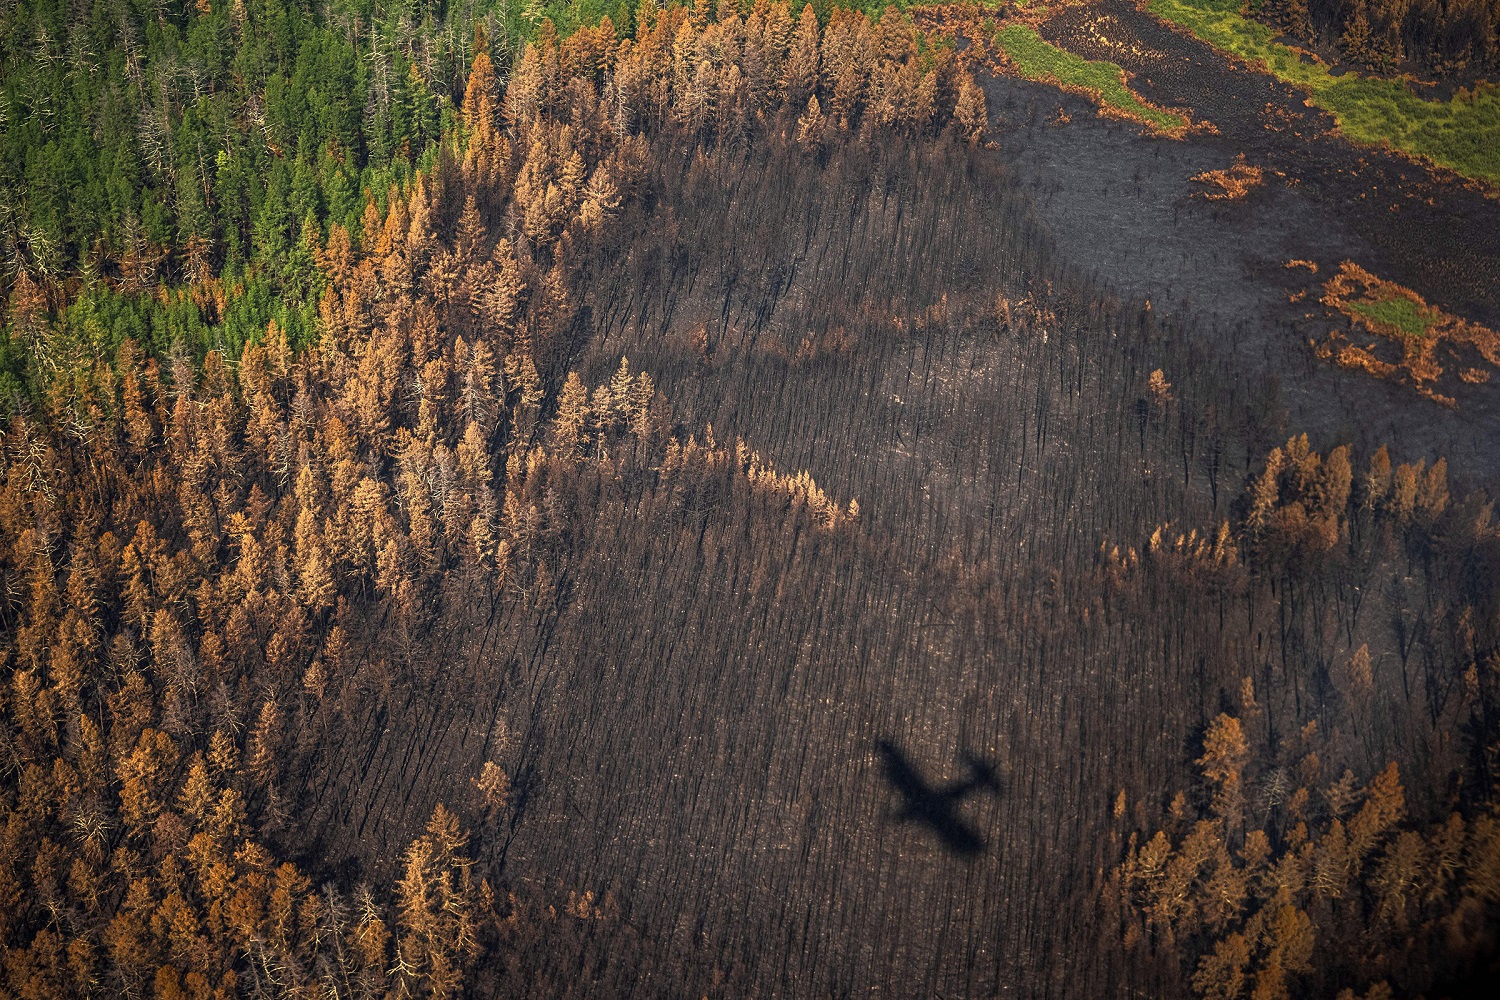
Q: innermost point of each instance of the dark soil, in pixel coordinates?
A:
(719, 728)
(1119, 205)
(709, 730)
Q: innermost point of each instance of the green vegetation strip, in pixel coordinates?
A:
(1038, 59)
(1462, 134)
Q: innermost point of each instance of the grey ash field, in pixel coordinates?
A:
(1121, 206)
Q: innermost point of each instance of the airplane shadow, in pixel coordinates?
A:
(936, 807)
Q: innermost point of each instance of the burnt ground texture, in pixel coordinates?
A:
(1120, 207)
(884, 763)
(1072, 594)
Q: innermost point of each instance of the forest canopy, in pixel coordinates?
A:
(478, 485)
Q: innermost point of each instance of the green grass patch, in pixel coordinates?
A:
(1401, 313)
(1462, 134)
(1038, 59)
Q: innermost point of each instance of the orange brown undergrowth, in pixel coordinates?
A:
(1230, 184)
(1402, 321)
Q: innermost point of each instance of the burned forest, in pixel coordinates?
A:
(744, 499)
